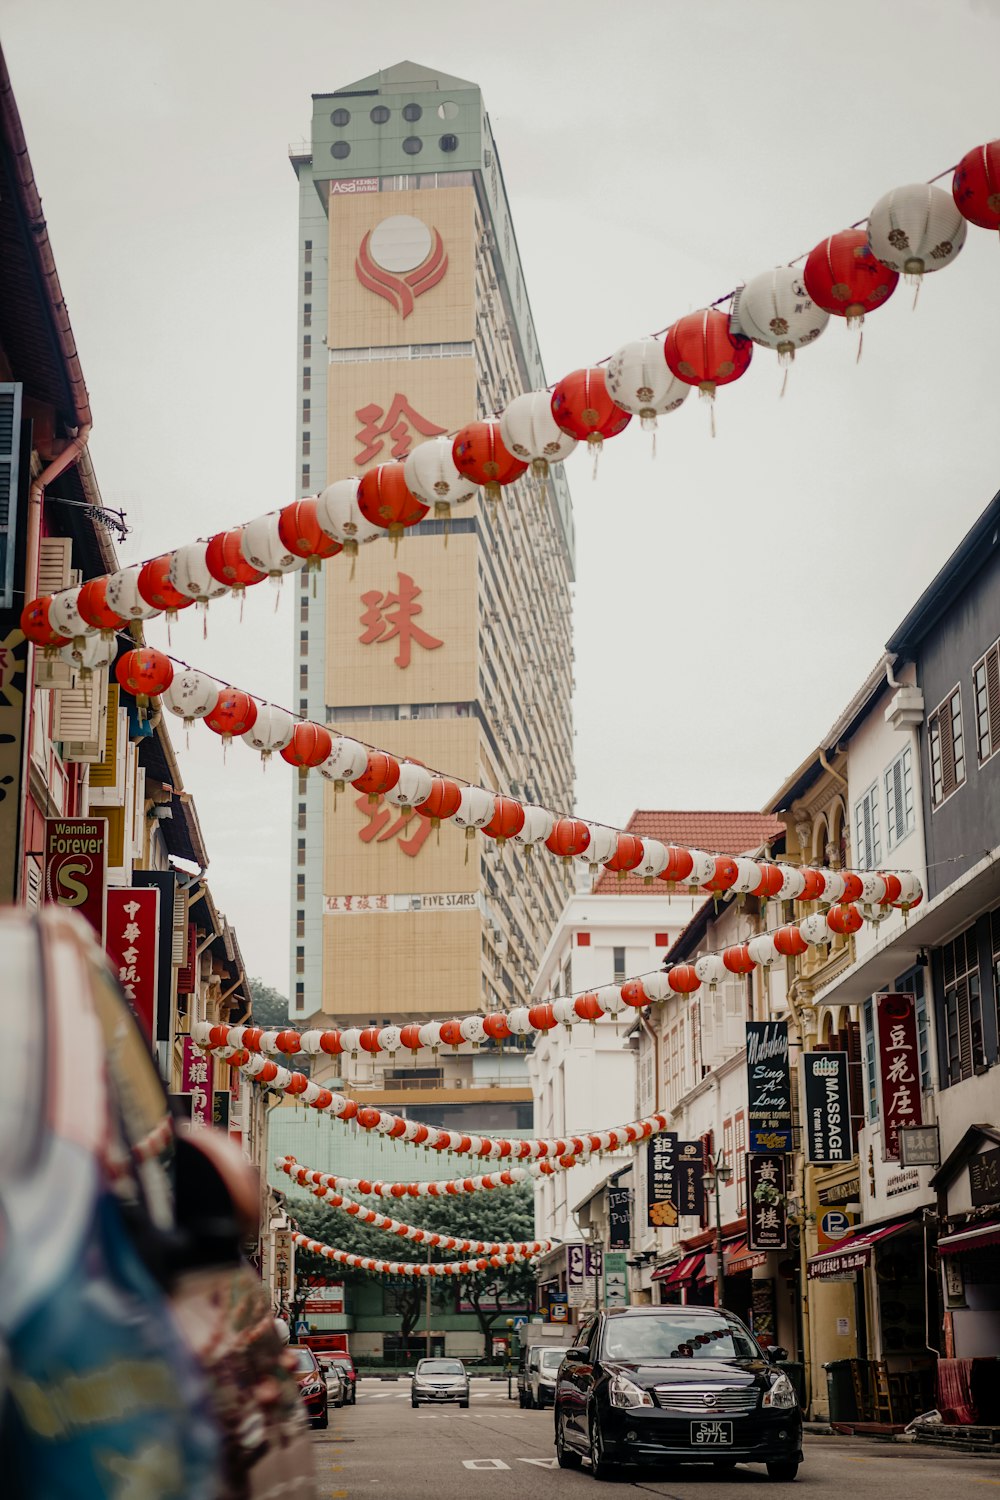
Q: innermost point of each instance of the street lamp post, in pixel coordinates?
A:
(717, 1172)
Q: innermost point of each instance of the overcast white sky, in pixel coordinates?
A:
(731, 595)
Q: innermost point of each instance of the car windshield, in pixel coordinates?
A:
(304, 1359)
(345, 1359)
(669, 1337)
(440, 1367)
(552, 1358)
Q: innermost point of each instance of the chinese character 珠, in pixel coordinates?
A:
(389, 617)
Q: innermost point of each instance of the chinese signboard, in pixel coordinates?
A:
(220, 1108)
(435, 901)
(131, 943)
(827, 1109)
(766, 1213)
(661, 1205)
(321, 1300)
(386, 823)
(899, 1067)
(770, 1099)
(76, 868)
(689, 1170)
(619, 1218)
(390, 617)
(196, 1081)
(984, 1178)
(919, 1146)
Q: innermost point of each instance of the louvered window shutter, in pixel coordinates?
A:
(78, 719)
(54, 556)
(993, 692)
(10, 441)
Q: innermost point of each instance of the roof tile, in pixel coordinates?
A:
(715, 832)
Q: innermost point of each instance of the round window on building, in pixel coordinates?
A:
(413, 145)
(412, 112)
(449, 143)
(340, 117)
(340, 149)
(379, 115)
(448, 110)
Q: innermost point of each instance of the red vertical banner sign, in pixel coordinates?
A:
(196, 1080)
(76, 867)
(899, 1068)
(131, 943)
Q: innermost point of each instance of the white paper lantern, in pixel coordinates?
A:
(191, 695)
(653, 861)
(775, 310)
(815, 930)
(431, 475)
(911, 892)
(413, 787)
(66, 618)
(475, 808)
(710, 968)
(834, 886)
(538, 824)
(345, 762)
(472, 1030)
(338, 514)
(872, 889)
(190, 576)
(311, 1093)
(123, 596)
(702, 868)
(609, 998)
(747, 876)
(264, 550)
(657, 986)
(88, 654)
(602, 845)
(640, 380)
(337, 1105)
(350, 1040)
(311, 1042)
(564, 1011)
(430, 1034)
(793, 883)
(530, 432)
(916, 229)
(272, 730)
(763, 951)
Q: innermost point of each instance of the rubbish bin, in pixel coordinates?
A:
(797, 1375)
(840, 1391)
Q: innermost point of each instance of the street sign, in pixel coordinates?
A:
(520, 1323)
(827, 1108)
(769, 1107)
(919, 1146)
(833, 1225)
(76, 867)
(661, 1206)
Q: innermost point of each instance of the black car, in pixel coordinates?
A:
(654, 1385)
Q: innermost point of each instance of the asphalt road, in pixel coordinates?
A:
(495, 1451)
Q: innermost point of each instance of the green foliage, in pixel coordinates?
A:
(270, 1007)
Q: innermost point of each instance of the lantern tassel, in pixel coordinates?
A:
(784, 384)
(861, 342)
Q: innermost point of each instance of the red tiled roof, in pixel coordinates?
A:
(715, 832)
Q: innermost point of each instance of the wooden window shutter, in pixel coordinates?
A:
(104, 773)
(10, 448)
(179, 933)
(32, 884)
(54, 556)
(78, 719)
(187, 974)
(116, 836)
(992, 662)
(941, 723)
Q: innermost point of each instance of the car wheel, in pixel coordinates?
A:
(464, 1405)
(414, 1402)
(522, 1400)
(566, 1458)
(783, 1469)
(600, 1465)
(529, 1400)
(324, 1420)
(354, 1398)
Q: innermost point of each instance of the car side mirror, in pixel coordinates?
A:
(776, 1354)
(576, 1356)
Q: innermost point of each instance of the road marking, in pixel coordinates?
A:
(540, 1463)
(484, 1463)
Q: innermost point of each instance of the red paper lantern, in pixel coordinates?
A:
(297, 1084)
(790, 942)
(568, 837)
(679, 865)
(225, 561)
(92, 605)
(443, 802)
(451, 1034)
(379, 776)
(844, 919)
(479, 453)
(287, 1042)
(588, 1007)
(725, 875)
(144, 673)
(35, 624)
(700, 350)
(893, 888)
(310, 745)
(634, 994)
(299, 529)
(155, 587)
(842, 276)
(234, 713)
(737, 959)
(385, 499)
(495, 1026)
(770, 882)
(409, 1037)
(628, 853)
(368, 1118)
(349, 1110)
(368, 1040)
(976, 186)
(330, 1043)
(507, 819)
(683, 980)
(323, 1099)
(583, 406)
(541, 1017)
(853, 886)
(813, 888)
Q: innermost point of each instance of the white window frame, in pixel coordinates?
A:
(867, 856)
(904, 760)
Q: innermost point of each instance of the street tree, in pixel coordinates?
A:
(270, 1007)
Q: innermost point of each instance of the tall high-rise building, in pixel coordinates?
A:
(455, 649)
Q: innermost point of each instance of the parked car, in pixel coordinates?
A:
(439, 1380)
(312, 1384)
(540, 1375)
(349, 1374)
(336, 1383)
(121, 1278)
(652, 1385)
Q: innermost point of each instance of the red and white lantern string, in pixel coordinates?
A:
(516, 1250)
(912, 231)
(379, 1267)
(449, 1187)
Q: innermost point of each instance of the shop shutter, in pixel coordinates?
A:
(10, 444)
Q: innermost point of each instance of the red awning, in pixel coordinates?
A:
(687, 1269)
(739, 1257)
(979, 1238)
(855, 1251)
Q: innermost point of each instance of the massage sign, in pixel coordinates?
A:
(899, 1067)
(769, 1086)
(827, 1108)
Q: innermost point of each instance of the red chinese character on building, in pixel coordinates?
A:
(381, 828)
(390, 617)
(396, 425)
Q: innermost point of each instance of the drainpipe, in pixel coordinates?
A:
(827, 767)
(65, 460)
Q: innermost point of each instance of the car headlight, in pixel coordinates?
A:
(781, 1394)
(313, 1388)
(625, 1392)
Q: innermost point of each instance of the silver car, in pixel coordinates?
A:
(439, 1380)
(336, 1385)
